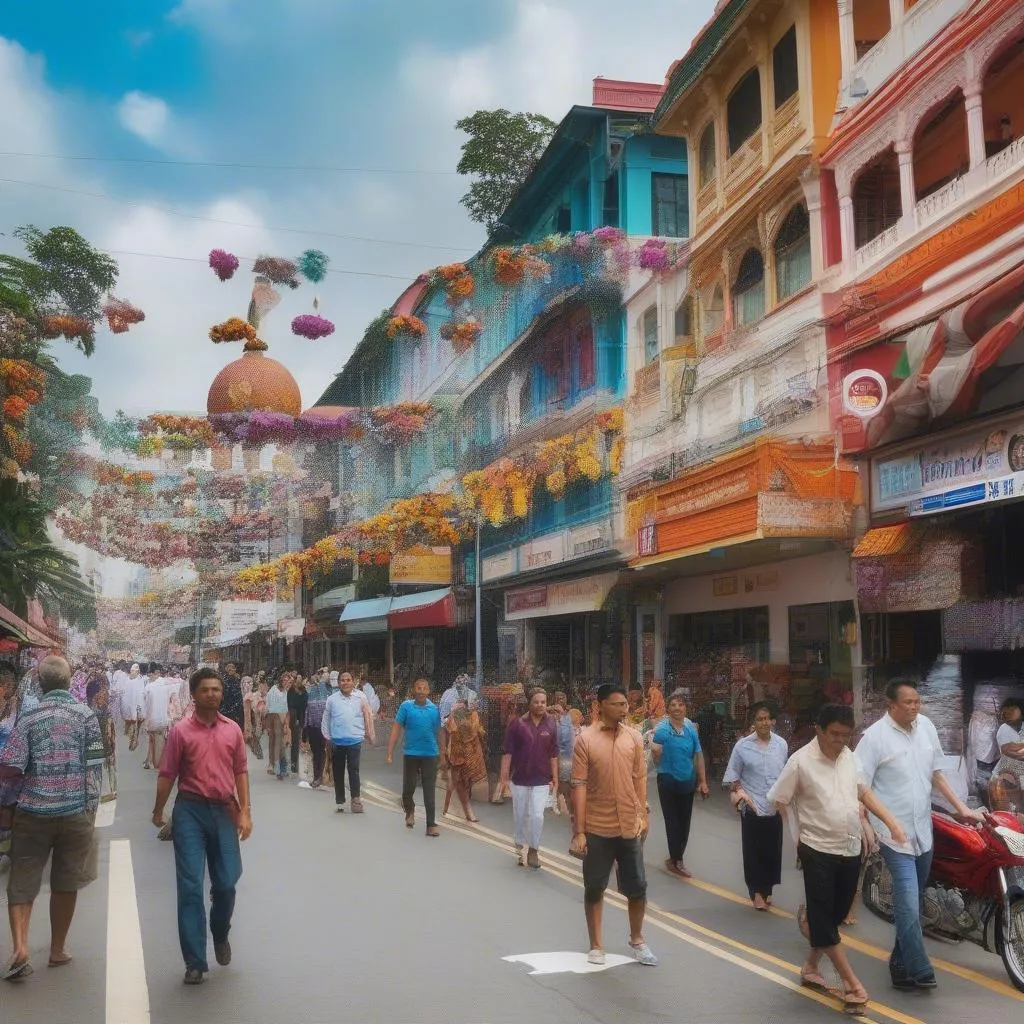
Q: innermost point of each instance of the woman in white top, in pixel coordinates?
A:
(1008, 778)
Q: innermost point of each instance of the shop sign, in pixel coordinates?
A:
(647, 541)
(966, 469)
(864, 393)
(725, 586)
(545, 551)
(240, 617)
(570, 597)
(422, 566)
(523, 602)
(590, 540)
(712, 493)
(496, 566)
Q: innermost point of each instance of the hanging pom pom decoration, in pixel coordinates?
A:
(313, 265)
(277, 270)
(121, 314)
(311, 326)
(224, 264)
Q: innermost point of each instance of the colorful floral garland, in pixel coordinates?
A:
(400, 423)
(403, 326)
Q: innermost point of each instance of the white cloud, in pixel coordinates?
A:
(148, 117)
(27, 124)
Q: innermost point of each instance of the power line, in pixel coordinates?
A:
(170, 210)
(233, 166)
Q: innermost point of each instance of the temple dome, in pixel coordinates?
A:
(254, 382)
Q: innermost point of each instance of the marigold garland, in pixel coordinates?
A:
(233, 329)
(405, 325)
(502, 492)
(121, 315)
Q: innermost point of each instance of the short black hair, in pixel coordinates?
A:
(840, 713)
(763, 705)
(200, 675)
(605, 690)
(893, 687)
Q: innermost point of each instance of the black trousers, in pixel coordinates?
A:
(341, 756)
(315, 739)
(423, 769)
(296, 728)
(830, 883)
(762, 852)
(677, 808)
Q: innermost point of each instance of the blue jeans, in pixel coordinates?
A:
(909, 958)
(204, 834)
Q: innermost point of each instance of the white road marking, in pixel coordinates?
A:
(127, 991)
(566, 962)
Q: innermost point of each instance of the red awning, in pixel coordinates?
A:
(423, 610)
(17, 627)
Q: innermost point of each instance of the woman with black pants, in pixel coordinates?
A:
(298, 698)
(680, 760)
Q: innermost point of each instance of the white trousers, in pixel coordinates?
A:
(528, 803)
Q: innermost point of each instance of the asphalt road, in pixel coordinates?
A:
(355, 918)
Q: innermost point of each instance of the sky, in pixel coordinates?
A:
(338, 116)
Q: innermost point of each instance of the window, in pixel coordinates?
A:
(583, 354)
(670, 201)
(743, 110)
(785, 77)
(707, 155)
(684, 320)
(793, 253)
(611, 201)
(748, 291)
(650, 335)
(563, 220)
(877, 203)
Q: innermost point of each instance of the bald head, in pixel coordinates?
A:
(54, 673)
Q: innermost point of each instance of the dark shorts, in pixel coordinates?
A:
(70, 839)
(830, 885)
(626, 855)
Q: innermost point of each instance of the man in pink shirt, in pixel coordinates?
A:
(205, 752)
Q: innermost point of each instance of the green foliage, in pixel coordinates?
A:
(501, 151)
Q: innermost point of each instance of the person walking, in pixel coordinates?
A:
(530, 763)
(298, 699)
(347, 722)
(676, 748)
(51, 774)
(611, 819)
(459, 692)
(133, 700)
(275, 722)
(205, 754)
(313, 727)
(418, 724)
(232, 706)
(755, 764)
(900, 758)
(820, 783)
(566, 730)
(157, 701)
(465, 752)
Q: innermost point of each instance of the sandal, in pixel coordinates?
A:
(18, 971)
(473, 820)
(815, 982)
(855, 1007)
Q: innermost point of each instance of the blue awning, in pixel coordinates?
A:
(369, 616)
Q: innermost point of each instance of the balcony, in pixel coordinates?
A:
(707, 204)
(787, 126)
(743, 167)
(932, 207)
(647, 381)
(877, 247)
(1005, 161)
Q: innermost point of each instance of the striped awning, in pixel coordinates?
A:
(883, 541)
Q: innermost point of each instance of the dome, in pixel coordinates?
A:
(254, 382)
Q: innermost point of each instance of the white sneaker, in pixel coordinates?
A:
(596, 957)
(643, 954)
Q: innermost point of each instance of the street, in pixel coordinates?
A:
(341, 917)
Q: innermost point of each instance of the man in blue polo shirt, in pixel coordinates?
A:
(420, 722)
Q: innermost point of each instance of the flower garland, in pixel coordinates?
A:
(501, 492)
(259, 428)
(277, 270)
(399, 424)
(233, 329)
(312, 326)
(121, 315)
(73, 328)
(509, 265)
(572, 457)
(462, 334)
(403, 325)
(223, 264)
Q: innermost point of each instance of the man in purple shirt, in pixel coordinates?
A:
(531, 760)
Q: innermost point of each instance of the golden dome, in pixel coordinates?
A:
(254, 382)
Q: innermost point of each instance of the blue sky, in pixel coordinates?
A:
(312, 83)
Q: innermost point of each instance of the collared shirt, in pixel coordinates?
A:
(159, 694)
(678, 749)
(344, 720)
(899, 766)
(421, 723)
(205, 758)
(531, 749)
(824, 794)
(52, 764)
(756, 766)
(610, 762)
(277, 701)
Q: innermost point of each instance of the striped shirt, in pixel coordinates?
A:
(53, 762)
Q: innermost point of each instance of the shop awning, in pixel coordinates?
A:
(565, 597)
(882, 541)
(16, 626)
(423, 610)
(369, 616)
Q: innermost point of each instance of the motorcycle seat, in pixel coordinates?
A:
(956, 841)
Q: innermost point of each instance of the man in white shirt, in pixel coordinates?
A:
(346, 723)
(900, 757)
(367, 690)
(158, 713)
(820, 784)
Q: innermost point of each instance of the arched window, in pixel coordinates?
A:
(649, 328)
(877, 201)
(793, 253)
(707, 155)
(748, 289)
(743, 109)
(1003, 99)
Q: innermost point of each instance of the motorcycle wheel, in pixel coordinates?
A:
(1012, 952)
(876, 888)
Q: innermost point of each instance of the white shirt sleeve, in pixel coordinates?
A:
(786, 784)
(325, 722)
(866, 757)
(1007, 734)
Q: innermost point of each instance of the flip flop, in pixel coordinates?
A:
(60, 963)
(473, 820)
(855, 1007)
(16, 972)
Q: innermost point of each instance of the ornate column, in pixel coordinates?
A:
(908, 193)
(975, 124)
(847, 231)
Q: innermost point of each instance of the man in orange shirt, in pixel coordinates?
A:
(610, 818)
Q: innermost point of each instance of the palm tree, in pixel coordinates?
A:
(32, 566)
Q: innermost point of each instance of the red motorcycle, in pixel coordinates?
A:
(976, 888)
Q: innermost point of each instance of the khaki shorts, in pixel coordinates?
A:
(72, 841)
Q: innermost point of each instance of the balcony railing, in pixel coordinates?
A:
(932, 207)
(743, 165)
(1006, 160)
(867, 254)
(647, 381)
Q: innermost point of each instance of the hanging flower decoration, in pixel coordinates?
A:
(502, 492)
(655, 254)
(277, 270)
(452, 271)
(460, 289)
(581, 456)
(399, 424)
(121, 315)
(312, 265)
(233, 329)
(74, 328)
(510, 265)
(611, 421)
(15, 407)
(180, 432)
(311, 326)
(462, 334)
(223, 263)
(259, 428)
(404, 325)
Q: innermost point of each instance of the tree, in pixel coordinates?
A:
(501, 150)
(63, 274)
